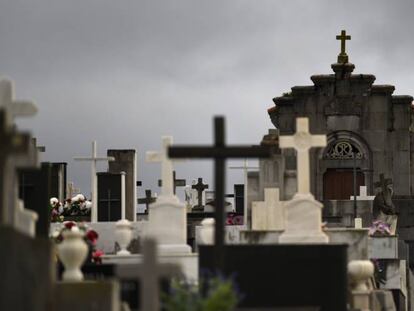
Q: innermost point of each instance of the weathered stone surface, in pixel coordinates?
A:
(356, 239)
(26, 270)
(87, 296)
(383, 247)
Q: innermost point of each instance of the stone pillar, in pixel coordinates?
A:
(359, 272)
(126, 161)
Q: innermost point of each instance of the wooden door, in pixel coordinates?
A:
(338, 184)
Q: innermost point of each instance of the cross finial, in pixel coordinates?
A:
(343, 57)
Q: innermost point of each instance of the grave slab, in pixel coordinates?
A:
(383, 247)
(356, 239)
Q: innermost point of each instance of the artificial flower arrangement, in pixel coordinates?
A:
(76, 206)
(379, 228)
(213, 293)
(90, 236)
(233, 219)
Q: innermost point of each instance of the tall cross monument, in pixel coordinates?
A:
(343, 57)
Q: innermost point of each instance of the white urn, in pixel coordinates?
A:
(72, 252)
(359, 272)
(123, 235)
(207, 231)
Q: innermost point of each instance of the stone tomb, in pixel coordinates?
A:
(27, 272)
(270, 214)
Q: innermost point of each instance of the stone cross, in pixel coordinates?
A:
(167, 189)
(343, 57)
(123, 195)
(219, 152)
(71, 190)
(245, 169)
(268, 215)
(14, 108)
(12, 144)
(363, 195)
(199, 187)
(148, 199)
(302, 141)
(177, 182)
(383, 183)
(149, 274)
(94, 159)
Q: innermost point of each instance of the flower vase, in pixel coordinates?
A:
(123, 235)
(72, 253)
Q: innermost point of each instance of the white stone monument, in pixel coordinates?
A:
(167, 216)
(270, 214)
(303, 212)
(94, 191)
(363, 195)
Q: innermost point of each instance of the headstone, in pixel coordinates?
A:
(149, 274)
(94, 159)
(245, 169)
(58, 186)
(167, 216)
(126, 161)
(35, 189)
(109, 197)
(363, 195)
(219, 152)
(270, 214)
(147, 200)
(27, 271)
(303, 212)
(199, 187)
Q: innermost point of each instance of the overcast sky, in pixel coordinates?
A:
(126, 72)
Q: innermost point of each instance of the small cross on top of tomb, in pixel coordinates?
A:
(302, 141)
(200, 187)
(343, 57)
(383, 183)
(147, 200)
(177, 182)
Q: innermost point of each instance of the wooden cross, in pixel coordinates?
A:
(302, 141)
(199, 187)
(383, 183)
(149, 273)
(343, 57)
(12, 144)
(14, 108)
(167, 189)
(94, 159)
(147, 200)
(219, 152)
(177, 182)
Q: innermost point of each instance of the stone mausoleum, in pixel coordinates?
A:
(368, 130)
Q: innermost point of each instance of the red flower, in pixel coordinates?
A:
(92, 236)
(97, 256)
(70, 224)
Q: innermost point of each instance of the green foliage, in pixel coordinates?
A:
(220, 296)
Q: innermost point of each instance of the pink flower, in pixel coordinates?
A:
(97, 256)
(69, 224)
(92, 236)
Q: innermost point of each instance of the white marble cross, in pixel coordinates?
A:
(71, 190)
(94, 159)
(363, 195)
(245, 167)
(167, 175)
(14, 108)
(302, 141)
(149, 274)
(268, 215)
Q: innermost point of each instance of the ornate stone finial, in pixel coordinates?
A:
(343, 57)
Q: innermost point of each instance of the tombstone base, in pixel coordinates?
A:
(174, 249)
(303, 239)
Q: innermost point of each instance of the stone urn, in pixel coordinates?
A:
(359, 272)
(207, 231)
(72, 253)
(123, 235)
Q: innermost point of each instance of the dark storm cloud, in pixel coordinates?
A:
(127, 72)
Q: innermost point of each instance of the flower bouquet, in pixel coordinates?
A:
(379, 228)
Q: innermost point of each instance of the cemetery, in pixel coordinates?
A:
(324, 222)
